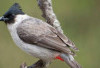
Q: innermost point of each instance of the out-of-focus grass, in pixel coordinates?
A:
(79, 20)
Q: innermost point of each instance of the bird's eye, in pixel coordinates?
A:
(13, 14)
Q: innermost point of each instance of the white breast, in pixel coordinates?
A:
(33, 50)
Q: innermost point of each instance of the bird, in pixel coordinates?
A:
(38, 38)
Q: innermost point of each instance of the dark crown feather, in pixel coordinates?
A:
(15, 9)
(16, 5)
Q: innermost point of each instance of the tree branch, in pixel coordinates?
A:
(48, 13)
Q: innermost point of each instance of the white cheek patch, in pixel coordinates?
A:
(20, 18)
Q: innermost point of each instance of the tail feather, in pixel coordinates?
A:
(70, 61)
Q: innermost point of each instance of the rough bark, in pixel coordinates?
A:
(48, 13)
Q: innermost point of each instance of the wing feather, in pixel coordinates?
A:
(40, 34)
(64, 39)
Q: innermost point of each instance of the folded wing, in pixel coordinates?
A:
(41, 34)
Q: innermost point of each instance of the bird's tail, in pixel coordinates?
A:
(70, 61)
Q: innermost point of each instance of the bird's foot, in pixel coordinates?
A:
(23, 65)
(38, 64)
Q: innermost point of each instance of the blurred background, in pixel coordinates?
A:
(80, 20)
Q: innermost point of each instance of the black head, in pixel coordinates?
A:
(9, 16)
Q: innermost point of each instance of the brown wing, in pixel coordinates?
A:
(40, 34)
(64, 38)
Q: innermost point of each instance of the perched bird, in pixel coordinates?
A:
(38, 38)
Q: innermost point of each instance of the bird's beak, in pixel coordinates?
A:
(3, 19)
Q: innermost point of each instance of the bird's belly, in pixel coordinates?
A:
(34, 50)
